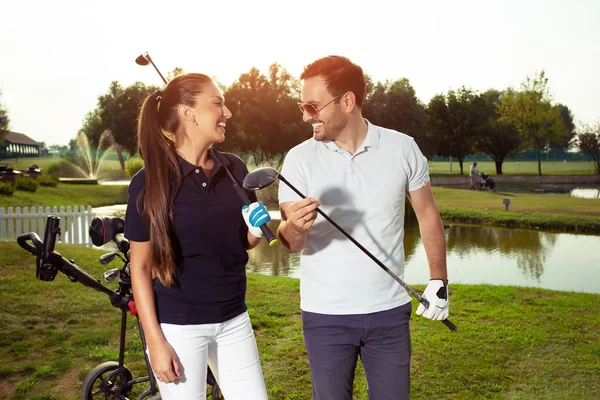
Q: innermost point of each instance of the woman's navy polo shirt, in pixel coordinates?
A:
(210, 238)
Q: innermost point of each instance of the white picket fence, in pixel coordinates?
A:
(74, 223)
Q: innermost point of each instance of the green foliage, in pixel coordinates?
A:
(117, 112)
(494, 138)
(588, 142)
(59, 169)
(133, 165)
(394, 105)
(6, 189)
(531, 113)
(266, 120)
(26, 183)
(47, 180)
(455, 121)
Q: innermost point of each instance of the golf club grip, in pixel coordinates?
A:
(267, 234)
(446, 322)
(450, 325)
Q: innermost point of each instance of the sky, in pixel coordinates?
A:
(57, 57)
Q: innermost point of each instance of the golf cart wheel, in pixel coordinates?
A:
(106, 381)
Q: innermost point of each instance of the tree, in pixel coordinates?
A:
(494, 138)
(565, 141)
(117, 112)
(588, 141)
(394, 105)
(531, 113)
(454, 121)
(266, 121)
(176, 72)
(4, 122)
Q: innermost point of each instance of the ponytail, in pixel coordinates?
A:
(157, 149)
(158, 132)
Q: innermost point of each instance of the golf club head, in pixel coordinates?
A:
(143, 59)
(106, 259)
(111, 275)
(260, 178)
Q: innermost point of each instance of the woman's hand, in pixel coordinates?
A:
(165, 362)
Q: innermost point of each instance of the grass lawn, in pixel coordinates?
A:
(45, 162)
(527, 210)
(442, 168)
(65, 194)
(435, 168)
(512, 343)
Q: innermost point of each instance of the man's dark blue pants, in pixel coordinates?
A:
(381, 339)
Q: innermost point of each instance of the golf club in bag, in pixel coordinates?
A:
(145, 59)
(263, 177)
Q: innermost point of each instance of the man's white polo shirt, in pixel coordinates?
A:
(365, 194)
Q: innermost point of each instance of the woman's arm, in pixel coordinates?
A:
(162, 357)
(252, 241)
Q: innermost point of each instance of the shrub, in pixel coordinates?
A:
(47, 180)
(6, 189)
(133, 165)
(26, 183)
(59, 169)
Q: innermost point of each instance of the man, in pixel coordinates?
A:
(474, 174)
(361, 175)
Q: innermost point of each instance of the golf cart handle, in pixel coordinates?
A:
(52, 229)
(36, 249)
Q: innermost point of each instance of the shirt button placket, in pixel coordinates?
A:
(197, 170)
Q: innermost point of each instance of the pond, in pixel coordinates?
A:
(477, 254)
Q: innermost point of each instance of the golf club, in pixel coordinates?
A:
(143, 60)
(263, 177)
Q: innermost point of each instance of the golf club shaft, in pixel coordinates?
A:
(410, 290)
(244, 197)
(154, 65)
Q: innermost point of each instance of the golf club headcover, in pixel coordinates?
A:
(255, 215)
(437, 295)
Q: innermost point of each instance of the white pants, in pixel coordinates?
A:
(230, 350)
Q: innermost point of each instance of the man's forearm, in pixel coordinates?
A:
(292, 240)
(434, 241)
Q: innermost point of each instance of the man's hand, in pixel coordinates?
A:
(302, 214)
(255, 215)
(437, 295)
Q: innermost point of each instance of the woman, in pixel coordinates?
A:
(189, 235)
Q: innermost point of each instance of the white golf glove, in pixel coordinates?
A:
(255, 215)
(437, 295)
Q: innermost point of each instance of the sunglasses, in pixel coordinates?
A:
(313, 111)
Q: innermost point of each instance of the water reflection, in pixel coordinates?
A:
(586, 193)
(527, 247)
(479, 254)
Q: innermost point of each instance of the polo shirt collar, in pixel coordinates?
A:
(187, 167)
(371, 140)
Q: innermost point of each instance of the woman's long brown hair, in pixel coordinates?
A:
(159, 132)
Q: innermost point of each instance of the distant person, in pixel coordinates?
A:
(362, 175)
(474, 173)
(189, 234)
